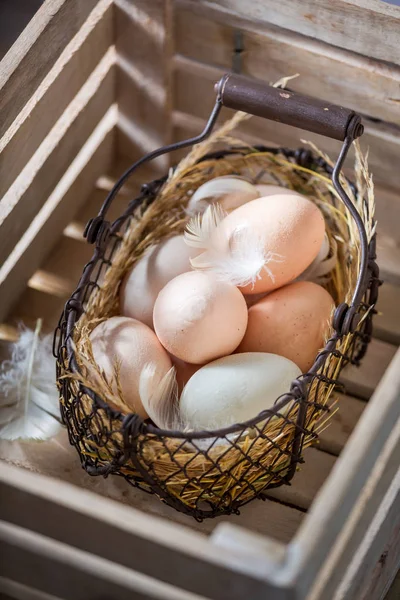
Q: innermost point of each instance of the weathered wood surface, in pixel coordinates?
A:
(167, 551)
(367, 86)
(57, 210)
(65, 572)
(353, 492)
(29, 60)
(378, 557)
(66, 77)
(371, 32)
(26, 196)
(144, 73)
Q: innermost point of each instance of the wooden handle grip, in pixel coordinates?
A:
(257, 98)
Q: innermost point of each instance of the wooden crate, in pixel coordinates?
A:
(89, 86)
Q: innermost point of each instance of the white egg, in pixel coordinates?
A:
(150, 274)
(234, 389)
(229, 191)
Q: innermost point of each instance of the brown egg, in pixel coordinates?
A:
(266, 243)
(183, 371)
(151, 273)
(131, 345)
(198, 318)
(292, 322)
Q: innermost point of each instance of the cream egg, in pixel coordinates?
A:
(129, 346)
(229, 191)
(270, 241)
(234, 389)
(199, 318)
(150, 274)
(292, 321)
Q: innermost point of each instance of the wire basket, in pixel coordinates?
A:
(211, 473)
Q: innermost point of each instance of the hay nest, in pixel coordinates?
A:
(204, 474)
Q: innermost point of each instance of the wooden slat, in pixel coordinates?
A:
(307, 481)
(32, 187)
(143, 80)
(55, 92)
(17, 591)
(168, 552)
(360, 83)
(389, 258)
(34, 304)
(341, 425)
(57, 569)
(353, 491)
(344, 24)
(387, 322)
(35, 51)
(378, 558)
(75, 185)
(362, 381)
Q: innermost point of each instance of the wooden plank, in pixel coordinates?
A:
(331, 517)
(387, 322)
(389, 258)
(34, 304)
(335, 436)
(57, 459)
(372, 516)
(57, 569)
(32, 187)
(370, 32)
(377, 559)
(55, 92)
(363, 84)
(362, 381)
(169, 552)
(394, 590)
(144, 73)
(307, 481)
(75, 185)
(17, 591)
(35, 51)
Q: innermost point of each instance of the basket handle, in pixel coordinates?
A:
(257, 98)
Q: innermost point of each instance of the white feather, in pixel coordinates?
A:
(29, 405)
(160, 398)
(239, 259)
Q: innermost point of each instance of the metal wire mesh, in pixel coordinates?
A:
(204, 474)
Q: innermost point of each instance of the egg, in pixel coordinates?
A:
(229, 191)
(274, 238)
(198, 318)
(129, 345)
(150, 274)
(234, 389)
(253, 298)
(183, 371)
(292, 321)
(265, 190)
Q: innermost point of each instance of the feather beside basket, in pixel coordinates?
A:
(210, 473)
